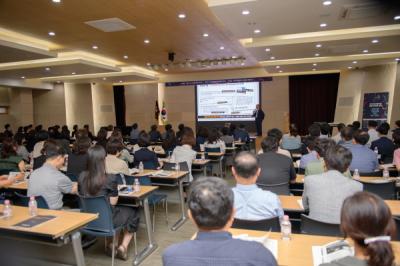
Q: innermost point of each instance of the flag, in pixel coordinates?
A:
(156, 111)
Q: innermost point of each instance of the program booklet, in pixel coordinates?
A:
(331, 251)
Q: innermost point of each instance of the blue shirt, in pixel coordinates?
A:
(307, 158)
(253, 203)
(217, 248)
(346, 144)
(364, 159)
(291, 142)
(134, 134)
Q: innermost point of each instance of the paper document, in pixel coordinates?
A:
(331, 251)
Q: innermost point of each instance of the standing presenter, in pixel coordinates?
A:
(259, 117)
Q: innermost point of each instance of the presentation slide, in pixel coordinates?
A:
(227, 101)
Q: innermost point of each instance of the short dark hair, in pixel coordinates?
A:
(181, 127)
(135, 126)
(168, 127)
(325, 128)
(270, 144)
(213, 135)
(6, 126)
(397, 123)
(42, 135)
(372, 123)
(383, 128)
(322, 145)
(114, 146)
(52, 150)
(356, 125)
(340, 126)
(144, 139)
(225, 131)
(347, 133)
(246, 164)
(188, 137)
(82, 145)
(153, 128)
(293, 130)
(338, 158)
(361, 137)
(210, 202)
(396, 138)
(314, 130)
(8, 148)
(309, 141)
(276, 133)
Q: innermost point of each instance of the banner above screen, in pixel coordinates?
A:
(218, 81)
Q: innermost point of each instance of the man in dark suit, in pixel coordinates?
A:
(259, 117)
(385, 146)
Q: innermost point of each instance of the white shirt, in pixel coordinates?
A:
(218, 144)
(337, 138)
(184, 153)
(280, 151)
(37, 149)
(373, 135)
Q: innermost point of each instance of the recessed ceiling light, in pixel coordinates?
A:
(314, 69)
(242, 64)
(397, 59)
(316, 54)
(95, 47)
(323, 25)
(327, 3)
(58, 81)
(146, 41)
(272, 58)
(280, 71)
(56, 1)
(125, 57)
(221, 48)
(350, 67)
(375, 41)
(148, 64)
(318, 45)
(104, 78)
(73, 73)
(397, 17)
(315, 64)
(354, 62)
(234, 56)
(23, 77)
(365, 51)
(245, 12)
(120, 81)
(277, 67)
(47, 68)
(205, 34)
(52, 33)
(182, 16)
(267, 49)
(257, 31)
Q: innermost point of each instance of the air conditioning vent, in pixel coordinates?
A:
(361, 11)
(110, 25)
(345, 101)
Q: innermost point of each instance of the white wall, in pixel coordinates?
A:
(78, 104)
(103, 105)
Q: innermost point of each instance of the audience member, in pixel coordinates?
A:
(384, 144)
(154, 134)
(356, 125)
(314, 130)
(324, 194)
(9, 160)
(77, 160)
(214, 141)
(291, 141)
(338, 136)
(276, 169)
(373, 134)
(74, 131)
(114, 165)
(168, 132)
(226, 137)
(144, 155)
(102, 138)
(134, 135)
(201, 136)
(312, 155)
(211, 209)
(251, 202)
(169, 143)
(48, 181)
(7, 131)
(95, 182)
(364, 159)
(90, 135)
(325, 130)
(318, 167)
(65, 133)
(277, 134)
(396, 154)
(241, 134)
(41, 136)
(184, 152)
(124, 154)
(367, 221)
(179, 133)
(39, 161)
(347, 137)
(20, 148)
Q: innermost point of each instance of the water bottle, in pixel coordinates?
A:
(203, 156)
(286, 228)
(385, 173)
(177, 167)
(356, 174)
(136, 185)
(32, 206)
(141, 167)
(7, 211)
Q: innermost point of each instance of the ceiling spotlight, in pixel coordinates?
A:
(397, 59)
(182, 16)
(146, 41)
(354, 62)
(397, 17)
(52, 33)
(375, 41)
(318, 45)
(277, 67)
(56, 1)
(280, 71)
(272, 58)
(148, 64)
(120, 81)
(95, 47)
(58, 81)
(315, 64)
(104, 78)
(327, 3)
(125, 57)
(365, 51)
(323, 25)
(23, 77)
(245, 12)
(73, 73)
(242, 64)
(47, 68)
(316, 54)
(221, 48)
(314, 69)
(205, 34)
(257, 31)
(166, 69)
(350, 67)
(267, 50)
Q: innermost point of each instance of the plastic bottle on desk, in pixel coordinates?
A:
(141, 167)
(203, 156)
(177, 167)
(7, 211)
(286, 228)
(385, 173)
(136, 185)
(32, 206)
(356, 174)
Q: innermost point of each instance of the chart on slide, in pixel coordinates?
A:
(227, 101)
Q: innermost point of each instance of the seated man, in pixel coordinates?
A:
(277, 134)
(318, 166)
(385, 146)
(48, 182)
(373, 134)
(312, 155)
(347, 137)
(364, 159)
(144, 155)
(241, 134)
(251, 202)
(115, 165)
(324, 194)
(211, 209)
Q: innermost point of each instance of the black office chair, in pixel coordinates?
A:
(23, 200)
(6, 171)
(376, 173)
(312, 227)
(215, 160)
(397, 221)
(279, 189)
(260, 225)
(183, 166)
(386, 190)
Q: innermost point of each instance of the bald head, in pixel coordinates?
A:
(245, 165)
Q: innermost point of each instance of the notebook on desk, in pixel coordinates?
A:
(34, 221)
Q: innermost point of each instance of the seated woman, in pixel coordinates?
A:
(184, 152)
(226, 137)
(144, 155)
(201, 136)
(396, 155)
(155, 135)
(20, 148)
(214, 141)
(291, 141)
(9, 160)
(124, 154)
(77, 160)
(95, 182)
(169, 143)
(115, 165)
(102, 137)
(367, 220)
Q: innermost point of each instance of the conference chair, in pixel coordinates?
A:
(279, 189)
(397, 221)
(386, 190)
(23, 200)
(272, 224)
(376, 173)
(313, 227)
(103, 226)
(149, 165)
(215, 160)
(73, 177)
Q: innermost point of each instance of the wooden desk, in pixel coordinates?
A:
(142, 196)
(213, 154)
(297, 251)
(57, 240)
(153, 173)
(366, 179)
(196, 162)
(23, 185)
